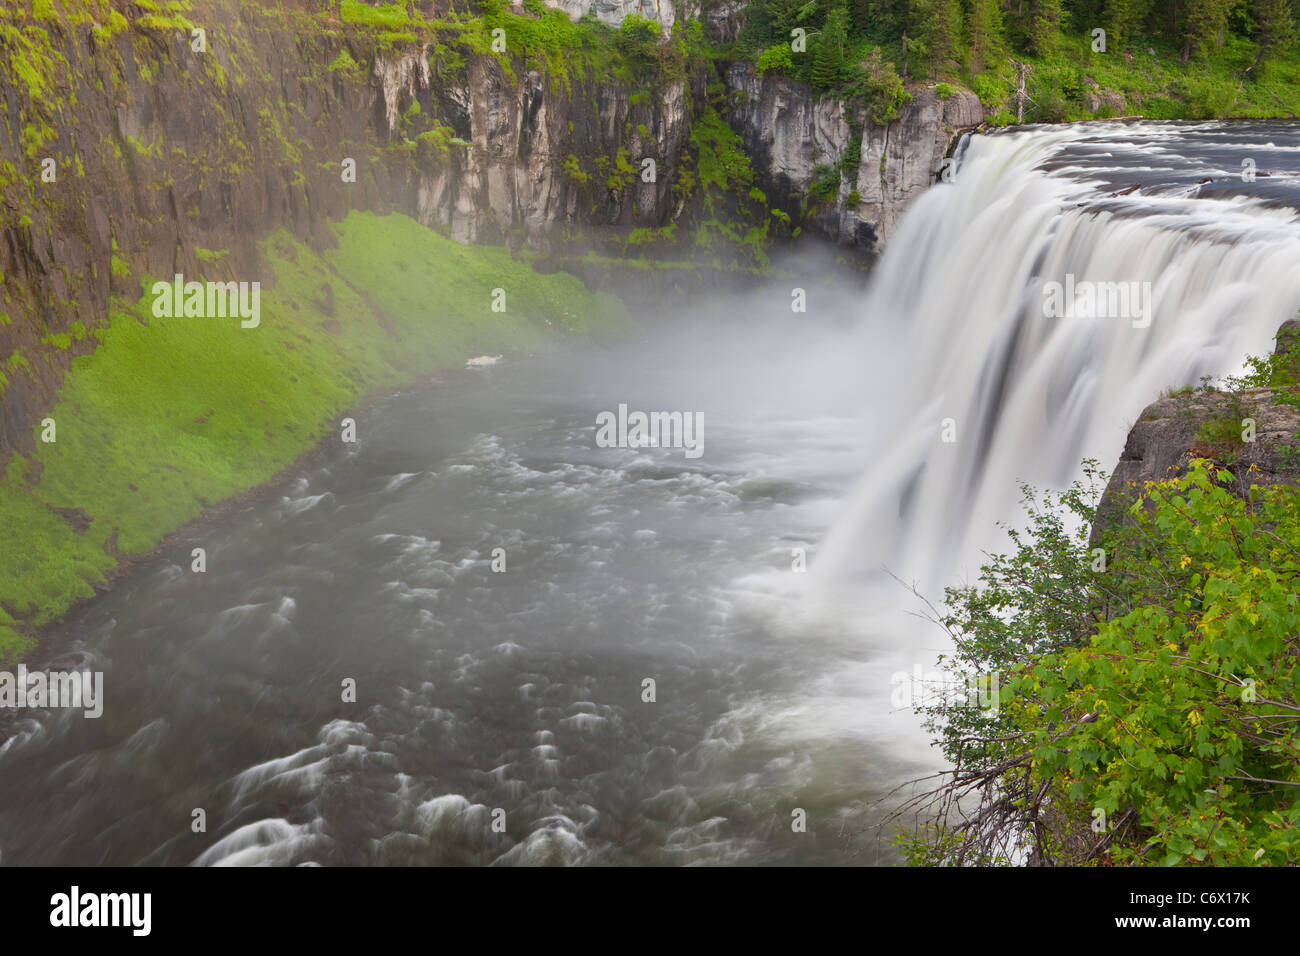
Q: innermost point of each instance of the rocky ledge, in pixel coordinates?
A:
(1250, 432)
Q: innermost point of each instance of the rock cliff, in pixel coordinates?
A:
(1249, 431)
(793, 134)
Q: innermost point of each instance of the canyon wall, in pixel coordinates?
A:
(792, 134)
(125, 152)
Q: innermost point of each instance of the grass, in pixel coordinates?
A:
(169, 415)
(1220, 435)
(1159, 87)
(1154, 84)
(387, 16)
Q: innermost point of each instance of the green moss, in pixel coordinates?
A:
(439, 140)
(391, 16)
(191, 411)
(624, 173)
(162, 23)
(573, 169)
(344, 63)
(115, 24)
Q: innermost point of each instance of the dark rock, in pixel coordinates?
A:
(1169, 435)
(76, 517)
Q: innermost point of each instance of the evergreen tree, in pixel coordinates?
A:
(935, 31)
(942, 34)
(828, 60)
(1275, 28)
(984, 36)
(1044, 23)
(1206, 22)
(1123, 20)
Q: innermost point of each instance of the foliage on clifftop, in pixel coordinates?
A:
(1164, 59)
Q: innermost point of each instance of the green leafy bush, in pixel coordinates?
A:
(1148, 690)
(776, 57)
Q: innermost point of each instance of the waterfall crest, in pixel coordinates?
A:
(958, 344)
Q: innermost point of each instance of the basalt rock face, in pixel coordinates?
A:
(170, 160)
(613, 12)
(793, 134)
(1178, 428)
(510, 183)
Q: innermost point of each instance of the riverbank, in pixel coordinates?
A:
(167, 417)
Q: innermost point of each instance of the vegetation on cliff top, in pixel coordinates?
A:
(1164, 59)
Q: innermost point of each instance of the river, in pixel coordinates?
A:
(502, 715)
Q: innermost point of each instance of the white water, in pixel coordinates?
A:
(953, 327)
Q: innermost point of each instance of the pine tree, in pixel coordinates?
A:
(1206, 22)
(1275, 28)
(984, 34)
(1044, 23)
(942, 33)
(1124, 19)
(828, 59)
(935, 31)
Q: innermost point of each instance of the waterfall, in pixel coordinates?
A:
(955, 338)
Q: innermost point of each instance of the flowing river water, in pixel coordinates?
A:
(500, 715)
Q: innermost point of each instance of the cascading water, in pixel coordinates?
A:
(955, 319)
(518, 696)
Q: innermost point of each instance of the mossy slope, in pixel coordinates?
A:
(169, 415)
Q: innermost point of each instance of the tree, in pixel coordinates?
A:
(984, 35)
(1206, 22)
(1275, 28)
(828, 60)
(1124, 18)
(776, 57)
(1144, 710)
(941, 32)
(1044, 23)
(877, 84)
(934, 31)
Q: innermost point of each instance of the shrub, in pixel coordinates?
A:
(877, 84)
(826, 183)
(776, 58)
(1154, 694)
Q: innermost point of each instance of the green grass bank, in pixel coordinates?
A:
(170, 415)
